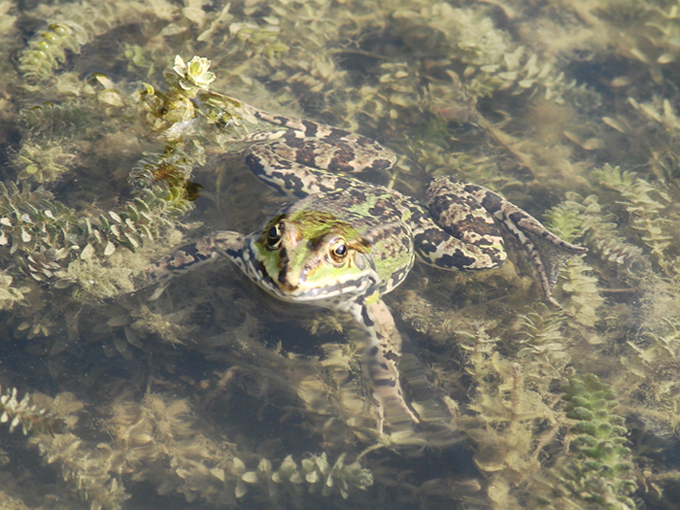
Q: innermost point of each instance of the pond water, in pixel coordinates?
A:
(122, 137)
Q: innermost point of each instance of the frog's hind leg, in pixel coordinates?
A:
(457, 233)
(289, 177)
(297, 166)
(322, 146)
(546, 252)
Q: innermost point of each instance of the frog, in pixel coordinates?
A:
(342, 244)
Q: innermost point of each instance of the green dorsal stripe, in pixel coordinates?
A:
(315, 225)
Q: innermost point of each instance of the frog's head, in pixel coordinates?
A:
(312, 256)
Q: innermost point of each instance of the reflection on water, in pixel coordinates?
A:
(217, 396)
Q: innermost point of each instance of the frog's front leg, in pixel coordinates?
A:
(380, 365)
(464, 210)
(192, 256)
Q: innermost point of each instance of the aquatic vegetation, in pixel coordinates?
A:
(654, 354)
(48, 51)
(314, 472)
(68, 31)
(602, 471)
(117, 120)
(581, 291)
(159, 440)
(30, 416)
(543, 344)
(600, 231)
(258, 39)
(56, 122)
(47, 241)
(9, 295)
(505, 425)
(644, 203)
(42, 164)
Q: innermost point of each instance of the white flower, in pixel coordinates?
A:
(194, 73)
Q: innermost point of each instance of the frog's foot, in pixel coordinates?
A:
(545, 251)
(189, 257)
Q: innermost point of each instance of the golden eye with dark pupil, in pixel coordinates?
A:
(339, 250)
(274, 236)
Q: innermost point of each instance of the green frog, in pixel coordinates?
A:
(342, 243)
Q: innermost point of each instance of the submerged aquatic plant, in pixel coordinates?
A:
(582, 293)
(543, 344)
(43, 164)
(71, 27)
(41, 235)
(56, 122)
(602, 471)
(9, 294)
(47, 51)
(314, 473)
(31, 417)
(645, 203)
(601, 232)
(504, 418)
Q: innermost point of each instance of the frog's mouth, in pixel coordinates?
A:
(310, 291)
(312, 279)
(308, 286)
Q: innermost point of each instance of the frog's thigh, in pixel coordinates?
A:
(438, 248)
(463, 234)
(518, 222)
(324, 146)
(335, 150)
(290, 177)
(350, 153)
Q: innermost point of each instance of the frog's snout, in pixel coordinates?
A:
(284, 281)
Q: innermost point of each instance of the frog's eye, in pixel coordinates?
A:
(274, 236)
(338, 250)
